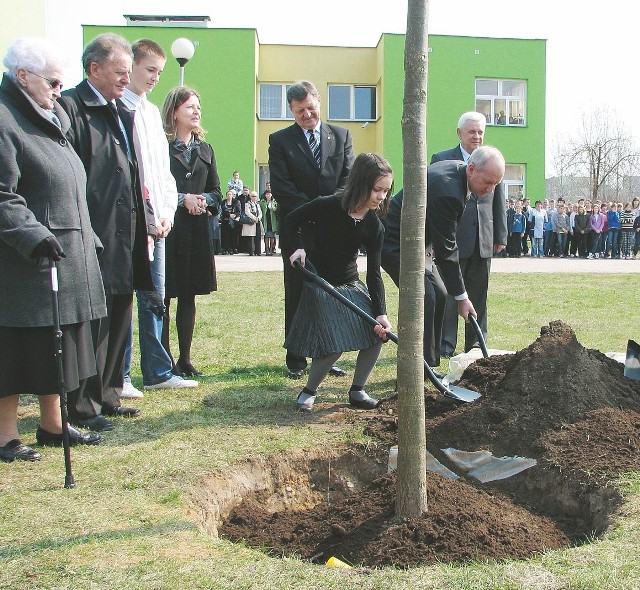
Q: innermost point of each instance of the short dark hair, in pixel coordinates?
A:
(300, 89)
(147, 48)
(102, 48)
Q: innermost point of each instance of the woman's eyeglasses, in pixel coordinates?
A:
(53, 82)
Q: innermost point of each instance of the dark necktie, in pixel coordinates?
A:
(114, 109)
(315, 147)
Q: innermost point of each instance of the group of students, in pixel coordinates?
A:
(583, 229)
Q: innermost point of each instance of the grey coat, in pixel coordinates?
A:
(488, 222)
(42, 193)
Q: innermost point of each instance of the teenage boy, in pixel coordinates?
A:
(159, 186)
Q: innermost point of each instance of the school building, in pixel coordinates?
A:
(242, 84)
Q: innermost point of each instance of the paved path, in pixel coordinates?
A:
(526, 264)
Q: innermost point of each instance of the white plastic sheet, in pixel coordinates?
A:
(485, 467)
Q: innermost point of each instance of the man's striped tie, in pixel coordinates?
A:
(315, 147)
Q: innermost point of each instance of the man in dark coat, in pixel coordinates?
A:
(450, 186)
(102, 134)
(482, 231)
(299, 172)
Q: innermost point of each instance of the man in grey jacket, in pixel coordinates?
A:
(482, 231)
(450, 184)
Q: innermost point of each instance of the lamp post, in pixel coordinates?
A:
(182, 49)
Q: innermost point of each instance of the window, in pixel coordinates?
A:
(514, 181)
(273, 102)
(503, 102)
(263, 177)
(352, 103)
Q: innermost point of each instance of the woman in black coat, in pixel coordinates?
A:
(190, 264)
(43, 217)
(230, 220)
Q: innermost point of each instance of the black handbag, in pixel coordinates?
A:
(246, 220)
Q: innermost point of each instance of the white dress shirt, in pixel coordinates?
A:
(154, 159)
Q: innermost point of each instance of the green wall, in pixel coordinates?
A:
(452, 70)
(391, 105)
(222, 71)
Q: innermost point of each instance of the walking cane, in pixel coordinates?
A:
(68, 480)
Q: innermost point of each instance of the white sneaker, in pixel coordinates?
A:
(175, 382)
(130, 392)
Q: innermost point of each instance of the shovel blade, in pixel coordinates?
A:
(462, 394)
(632, 361)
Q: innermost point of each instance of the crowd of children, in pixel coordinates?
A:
(584, 229)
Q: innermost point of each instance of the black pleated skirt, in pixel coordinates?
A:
(323, 325)
(28, 363)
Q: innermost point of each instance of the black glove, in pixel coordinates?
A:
(49, 248)
(156, 303)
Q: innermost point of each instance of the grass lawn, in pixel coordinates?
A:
(130, 522)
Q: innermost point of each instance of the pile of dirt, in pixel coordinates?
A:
(568, 407)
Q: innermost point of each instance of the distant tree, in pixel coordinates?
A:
(411, 493)
(564, 184)
(602, 150)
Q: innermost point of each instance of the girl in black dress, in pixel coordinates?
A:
(323, 328)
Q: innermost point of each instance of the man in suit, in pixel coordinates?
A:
(306, 160)
(450, 186)
(481, 233)
(102, 135)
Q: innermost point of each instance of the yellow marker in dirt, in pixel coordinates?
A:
(335, 562)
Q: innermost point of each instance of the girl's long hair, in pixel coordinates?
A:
(367, 168)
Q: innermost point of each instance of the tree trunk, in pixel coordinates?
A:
(411, 493)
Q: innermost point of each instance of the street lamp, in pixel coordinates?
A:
(182, 49)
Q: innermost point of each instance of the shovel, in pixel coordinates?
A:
(453, 391)
(478, 331)
(632, 361)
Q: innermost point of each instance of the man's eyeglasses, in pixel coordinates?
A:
(53, 82)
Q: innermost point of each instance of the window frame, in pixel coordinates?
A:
(285, 111)
(352, 103)
(509, 181)
(514, 107)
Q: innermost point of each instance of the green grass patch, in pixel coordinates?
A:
(129, 523)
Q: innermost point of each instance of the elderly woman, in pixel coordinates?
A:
(252, 232)
(43, 217)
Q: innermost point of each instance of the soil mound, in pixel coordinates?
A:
(568, 407)
(543, 393)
